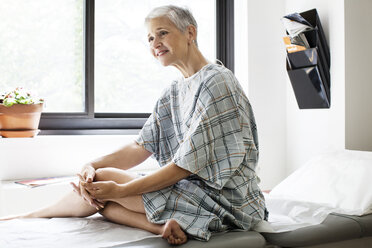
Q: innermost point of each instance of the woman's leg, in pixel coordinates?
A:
(130, 210)
(170, 231)
(72, 204)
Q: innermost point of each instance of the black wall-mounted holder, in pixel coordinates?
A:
(308, 70)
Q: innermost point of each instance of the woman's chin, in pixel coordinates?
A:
(164, 63)
(165, 60)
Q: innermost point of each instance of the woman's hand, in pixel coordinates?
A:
(87, 175)
(103, 190)
(86, 196)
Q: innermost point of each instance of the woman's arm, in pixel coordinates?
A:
(162, 178)
(124, 158)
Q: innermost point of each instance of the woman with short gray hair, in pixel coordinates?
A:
(180, 17)
(203, 134)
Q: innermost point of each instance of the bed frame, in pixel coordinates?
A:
(337, 231)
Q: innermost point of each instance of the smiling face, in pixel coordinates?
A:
(167, 44)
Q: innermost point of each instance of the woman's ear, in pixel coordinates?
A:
(191, 33)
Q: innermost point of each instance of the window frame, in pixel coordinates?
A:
(89, 122)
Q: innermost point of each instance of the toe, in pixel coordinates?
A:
(178, 241)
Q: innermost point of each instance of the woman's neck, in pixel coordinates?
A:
(192, 63)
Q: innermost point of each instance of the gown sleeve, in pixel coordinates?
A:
(149, 135)
(212, 147)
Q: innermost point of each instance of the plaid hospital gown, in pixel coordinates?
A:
(205, 125)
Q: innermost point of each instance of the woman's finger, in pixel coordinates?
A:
(92, 186)
(93, 190)
(90, 176)
(100, 204)
(88, 173)
(86, 196)
(76, 188)
(81, 178)
(91, 201)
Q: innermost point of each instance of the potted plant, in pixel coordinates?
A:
(20, 113)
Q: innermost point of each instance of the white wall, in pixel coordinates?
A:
(267, 86)
(290, 136)
(358, 82)
(311, 132)
(46, 156)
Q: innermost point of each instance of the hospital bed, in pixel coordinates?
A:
(336, 212)
(336, 231)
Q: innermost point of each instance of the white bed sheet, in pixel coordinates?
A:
(67, 232)
(284, 215)
(333, 182)
(288, 215)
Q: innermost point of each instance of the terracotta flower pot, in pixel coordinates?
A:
(20, 117)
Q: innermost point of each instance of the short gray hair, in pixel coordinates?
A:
(181, 17)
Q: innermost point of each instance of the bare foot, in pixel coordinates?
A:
(11, 217)
(173, 233)
(18, 216)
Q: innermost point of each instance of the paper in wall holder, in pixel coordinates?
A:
(308, 87)
(308, 58)
(314, 40)
(313, 18)
(308, 70)
(305, 58)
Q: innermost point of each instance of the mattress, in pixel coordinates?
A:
(335, 228)
(95, 231)
(248, 239)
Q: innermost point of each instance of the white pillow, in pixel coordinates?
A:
(341, 180)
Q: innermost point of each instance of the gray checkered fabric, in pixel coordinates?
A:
(205, 124)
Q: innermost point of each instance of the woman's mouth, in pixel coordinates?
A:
(162, 52)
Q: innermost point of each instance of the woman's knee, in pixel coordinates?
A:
(109, 210)
(104, 174)
(113, 174)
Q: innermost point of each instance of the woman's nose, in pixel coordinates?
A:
(156, 43)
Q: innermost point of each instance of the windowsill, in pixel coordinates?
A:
(91, 132)
(58, 155)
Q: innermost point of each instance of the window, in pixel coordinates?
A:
(122, 53)
(90, 59)
(241, 42)
(42, 48)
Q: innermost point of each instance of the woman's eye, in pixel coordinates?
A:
(163, 33)
(151, 39)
